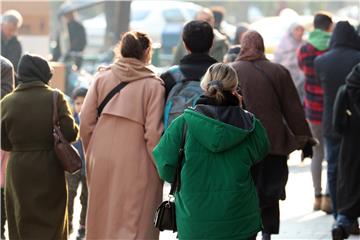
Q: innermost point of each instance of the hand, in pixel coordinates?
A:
(239, 97)
(307, 151)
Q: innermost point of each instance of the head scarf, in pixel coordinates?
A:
(344, 35)
(252, 47)
(34, 68)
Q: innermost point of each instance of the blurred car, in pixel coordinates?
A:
(162, 20)
(153, 17)
(350, 12)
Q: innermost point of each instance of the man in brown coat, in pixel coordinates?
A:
(269, 92)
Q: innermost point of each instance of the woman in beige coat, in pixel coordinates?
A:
(124, 187)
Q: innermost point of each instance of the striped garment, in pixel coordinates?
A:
(313, 101)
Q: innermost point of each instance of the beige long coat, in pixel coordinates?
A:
(124, 187)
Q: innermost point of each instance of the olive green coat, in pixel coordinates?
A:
(35, 190)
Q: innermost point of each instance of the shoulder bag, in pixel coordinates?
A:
(65, 152)
(165, 218)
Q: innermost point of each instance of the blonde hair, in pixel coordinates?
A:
(218, 78)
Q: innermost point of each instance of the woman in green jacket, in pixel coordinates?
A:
(217, 198)
(35, 190)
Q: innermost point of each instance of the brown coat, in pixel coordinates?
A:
(124, 187)
(275, 104)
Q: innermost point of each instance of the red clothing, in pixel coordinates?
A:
(306, 55)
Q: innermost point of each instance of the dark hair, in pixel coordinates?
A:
(218, 13)
(79, 92)
(198, 36)
(133, 44)
(240, 30)
(322, 21)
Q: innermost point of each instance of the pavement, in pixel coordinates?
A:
(298, 220)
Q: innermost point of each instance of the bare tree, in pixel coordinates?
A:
(117, 19)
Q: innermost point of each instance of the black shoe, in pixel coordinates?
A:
(266, 236)
(354, 229)
(338, 233)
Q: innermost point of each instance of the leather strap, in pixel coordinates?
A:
(56, 124)
(55, 108)
(175, 186)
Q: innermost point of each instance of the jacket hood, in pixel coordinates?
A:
(319, 39)
(353, 79)
(344, 35)
(212, 132)
(131, 69)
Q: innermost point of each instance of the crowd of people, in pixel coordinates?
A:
(239, 113)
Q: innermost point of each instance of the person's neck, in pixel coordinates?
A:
(194, 53)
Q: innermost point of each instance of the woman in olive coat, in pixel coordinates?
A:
(35, 190)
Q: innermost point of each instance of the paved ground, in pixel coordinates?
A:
(298, 221)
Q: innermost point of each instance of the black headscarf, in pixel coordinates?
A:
(345, 35)
(34, 68)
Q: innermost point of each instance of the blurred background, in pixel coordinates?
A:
(104, 21)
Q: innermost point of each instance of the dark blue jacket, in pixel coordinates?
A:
(333, 66)
(78, 145)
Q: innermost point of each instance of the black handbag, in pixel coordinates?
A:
(165, 218)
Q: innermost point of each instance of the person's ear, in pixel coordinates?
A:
(147, 56)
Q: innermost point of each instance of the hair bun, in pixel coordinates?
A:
(217, 84)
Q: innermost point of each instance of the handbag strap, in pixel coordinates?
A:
(56, 124)
(269, 80)
(110, 95)
(175, 186)
(55, 109)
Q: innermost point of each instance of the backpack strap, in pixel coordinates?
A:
(110, 95)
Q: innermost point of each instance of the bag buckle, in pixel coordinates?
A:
(171, 198)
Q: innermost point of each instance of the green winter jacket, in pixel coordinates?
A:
(217, 199)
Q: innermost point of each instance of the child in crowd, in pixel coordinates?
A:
(73, 180)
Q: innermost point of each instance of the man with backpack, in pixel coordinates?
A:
(182, 82)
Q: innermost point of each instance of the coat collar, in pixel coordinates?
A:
(194, 58)
(28, 85)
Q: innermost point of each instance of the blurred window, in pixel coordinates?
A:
(173, 16)
(192, 12)
(138, 15)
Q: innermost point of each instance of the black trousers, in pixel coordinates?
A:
(270, 178)
(3, 214)
(270, 216)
